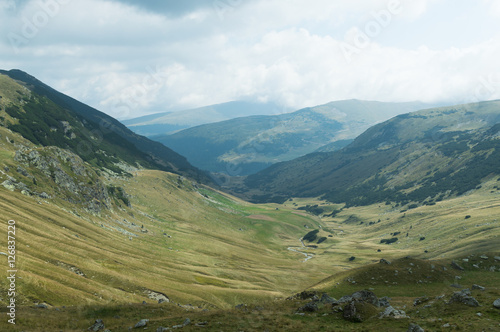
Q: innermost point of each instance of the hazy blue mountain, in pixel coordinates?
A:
(169, 122)
(418, 157)
(246, 145)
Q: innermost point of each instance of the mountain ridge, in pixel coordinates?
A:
(105, 127)
(250, 144)
(429, 146)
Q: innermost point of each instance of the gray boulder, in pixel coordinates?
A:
(390, 312)
(309, 307)
(98, 325)
(477, 287)
(456, 266)
(464, 297)
(384, 301)
(415, 328)
(366, 296)
(496, 303)
(326, 299)
(141, 323)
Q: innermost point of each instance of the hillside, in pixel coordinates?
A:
(48, 117)
(106, 237)
(420, 157)
(246, 145)
(169, 122)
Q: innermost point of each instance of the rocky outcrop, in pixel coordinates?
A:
(98, 326)
(72, 179)
(464, 297)
(390, 312)
(415, 328)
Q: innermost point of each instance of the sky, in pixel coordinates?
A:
(130, 58)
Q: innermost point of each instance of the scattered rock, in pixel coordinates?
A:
(496, 303)
(162, 329)
(390, 312)
(186, 323)
(474, 287)
(366, 296)
(384, 301)
(326, 299)
(141, 323)
(456, 266)
(305, 295)
(157, 296)
(359, 311)
(309, 307)
(497, 258)
(385, 261)
(420, 300)
(42, 306)
(464, 297)
(98, 325)
(415, 328)
(483, 257)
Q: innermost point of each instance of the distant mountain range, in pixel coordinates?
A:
(49, 118)
(246, 145)
(418, 158)
(169, 122)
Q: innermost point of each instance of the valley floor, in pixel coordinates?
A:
(207, 252)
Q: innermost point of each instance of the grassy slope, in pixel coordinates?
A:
(212, 262)
(407, 152)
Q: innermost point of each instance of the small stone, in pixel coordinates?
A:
(474, 287)
(141, 323)
(415, 328)
(162, 329)
(496, 303)
(483, 257)
(393, 313)
(456, 266)
(385, 261)
(98, 325)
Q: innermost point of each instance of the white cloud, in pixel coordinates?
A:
(128, 61)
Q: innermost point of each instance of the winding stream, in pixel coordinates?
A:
(308, 256)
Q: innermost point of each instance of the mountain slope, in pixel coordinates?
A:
(420, 157)
(48, 117)
(164, 123)
(246, 145)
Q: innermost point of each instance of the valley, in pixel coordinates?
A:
(404, 220)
